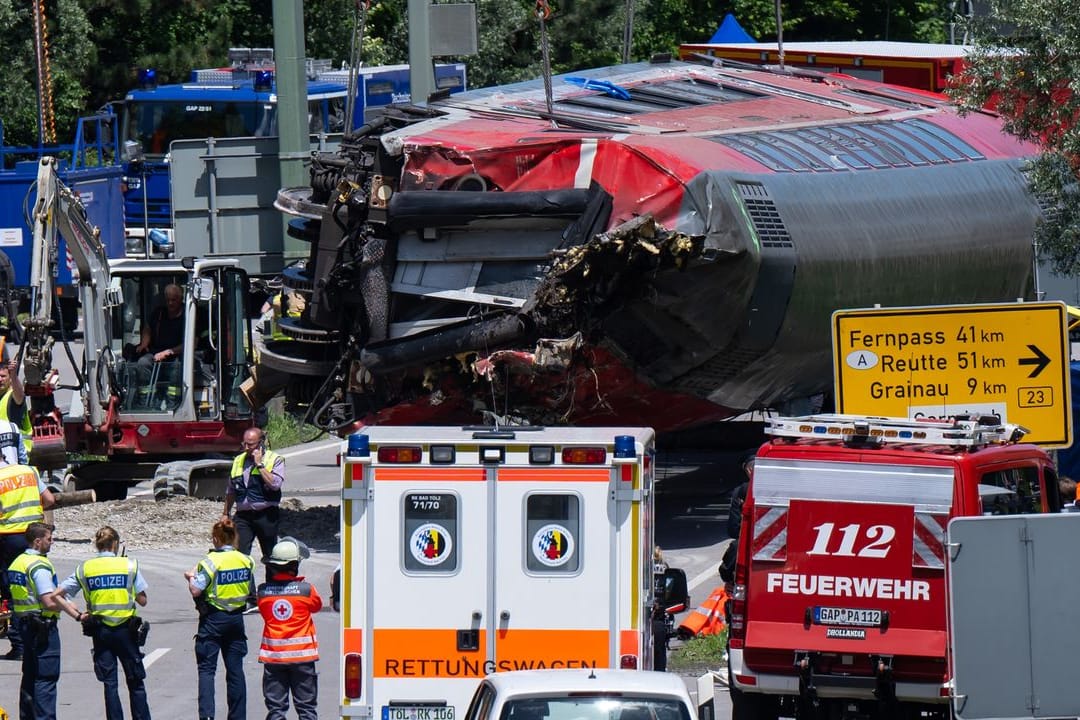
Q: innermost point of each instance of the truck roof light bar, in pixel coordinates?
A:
(959, 431)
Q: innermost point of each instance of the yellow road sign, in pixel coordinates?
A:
(1010, 360)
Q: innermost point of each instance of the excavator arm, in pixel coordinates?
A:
(59, 212)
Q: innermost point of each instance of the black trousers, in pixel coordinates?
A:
(12, 546)
(261, 524)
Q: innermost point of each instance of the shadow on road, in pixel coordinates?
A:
(316, 527)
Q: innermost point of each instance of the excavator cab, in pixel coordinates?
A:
(201, 381)
(176, 413)
(175, 417)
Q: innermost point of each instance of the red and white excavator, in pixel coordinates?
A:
(179, 420)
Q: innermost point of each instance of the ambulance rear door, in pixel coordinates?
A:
(847, 558)
(423, 535)
(568, 578)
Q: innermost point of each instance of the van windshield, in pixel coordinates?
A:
(928, 489)
(595, 707)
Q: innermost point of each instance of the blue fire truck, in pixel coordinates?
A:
(239, 100)
(91, 166)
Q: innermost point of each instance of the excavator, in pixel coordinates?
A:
(179, 420)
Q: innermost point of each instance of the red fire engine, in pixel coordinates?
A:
(839, 603)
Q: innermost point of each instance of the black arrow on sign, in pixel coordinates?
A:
(1040, 361)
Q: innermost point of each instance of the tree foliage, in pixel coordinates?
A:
(1026, 65)
(99, 45)
(72, 52)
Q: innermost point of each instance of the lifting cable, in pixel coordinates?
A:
(46, 111)
(356, 49)
(543, 13)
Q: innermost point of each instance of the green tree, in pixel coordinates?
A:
(812, 20)
(71, 53)
(1026, 63)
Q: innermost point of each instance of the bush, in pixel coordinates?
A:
(285, 430)
(700, 653)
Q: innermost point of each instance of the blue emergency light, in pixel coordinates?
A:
(148, 78)
(624, 446)
(359, 446)
(264, 80)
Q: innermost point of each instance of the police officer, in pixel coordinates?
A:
(289, 646)
(112, 585)
(23, 500)
(255, 487)
(221, 584)
(33, 582)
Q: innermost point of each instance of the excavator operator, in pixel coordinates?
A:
(163, 336)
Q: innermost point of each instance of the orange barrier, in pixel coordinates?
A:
(707, 618)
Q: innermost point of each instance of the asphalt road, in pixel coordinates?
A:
(690, 528)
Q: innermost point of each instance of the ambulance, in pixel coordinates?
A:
(472, 550)
(838, 606)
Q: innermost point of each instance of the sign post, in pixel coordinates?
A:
(1009, 360)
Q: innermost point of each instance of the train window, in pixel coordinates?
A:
(949, 146)
(862, 147)
(858, 145)
(767, 152)
(827, 141)
(901, 152)
(654, 97)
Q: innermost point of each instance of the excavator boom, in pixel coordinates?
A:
(58, 212)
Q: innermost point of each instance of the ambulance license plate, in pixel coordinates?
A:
(418, 712)
(847, 616)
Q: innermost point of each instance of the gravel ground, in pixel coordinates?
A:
(179, 522)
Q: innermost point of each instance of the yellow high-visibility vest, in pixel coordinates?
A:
(231, 574)
(24, 594)
(20, 499)
(24, 424)
(109, 586)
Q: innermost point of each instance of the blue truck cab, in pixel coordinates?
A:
(239, 100)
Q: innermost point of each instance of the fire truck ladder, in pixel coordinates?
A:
(962, 431)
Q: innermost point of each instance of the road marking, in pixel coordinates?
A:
(707, 574)
(151, 657)
(322, 446)
(702, 577)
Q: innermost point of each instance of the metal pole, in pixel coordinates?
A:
(780, 33)
(294, 145)
(421, 74)
(145, 215)
(628, 31)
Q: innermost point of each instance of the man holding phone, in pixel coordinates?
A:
(255, 489)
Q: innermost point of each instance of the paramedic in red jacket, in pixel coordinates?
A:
(289, 647)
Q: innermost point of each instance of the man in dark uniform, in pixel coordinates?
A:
(163, 336)
(255, 489)
(33, 585)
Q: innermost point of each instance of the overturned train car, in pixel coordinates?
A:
(661, 244)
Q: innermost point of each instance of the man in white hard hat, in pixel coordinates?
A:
(289, 647)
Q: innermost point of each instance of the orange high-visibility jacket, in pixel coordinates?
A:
(287, 607)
